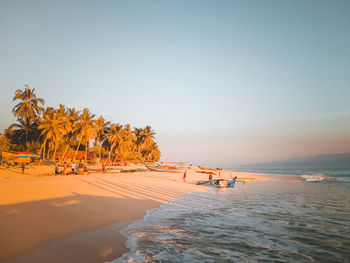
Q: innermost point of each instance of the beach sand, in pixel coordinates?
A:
(77, 218)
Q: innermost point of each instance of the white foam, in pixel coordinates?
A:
(313, 177)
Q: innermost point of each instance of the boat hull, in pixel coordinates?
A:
(225, 183)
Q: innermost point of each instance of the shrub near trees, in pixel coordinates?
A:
(62, 133)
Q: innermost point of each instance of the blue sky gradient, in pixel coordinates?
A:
(221, 82)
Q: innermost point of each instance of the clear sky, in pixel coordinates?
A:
(222, 83)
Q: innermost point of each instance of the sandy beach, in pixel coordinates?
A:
(77, 218)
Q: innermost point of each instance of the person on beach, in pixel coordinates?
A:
(56, 170)
(81, 167)
(184, 177)
(64, 168)
(73, 168)
(23, 166)
(103, 167)
(210, 178)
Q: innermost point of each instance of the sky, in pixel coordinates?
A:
(222, 83)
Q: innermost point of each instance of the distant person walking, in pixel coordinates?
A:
(23, 166)
(184, 177)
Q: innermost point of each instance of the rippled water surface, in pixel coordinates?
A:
(258, 222)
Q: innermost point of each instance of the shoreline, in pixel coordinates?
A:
(78, 218)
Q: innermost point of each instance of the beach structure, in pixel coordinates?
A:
(19, 157)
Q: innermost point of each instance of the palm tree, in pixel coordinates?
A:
(101, 127)
(5, 142)
(153, 154)
(114, 136)
(144, 140)
(17, 132)
(85, 129)
(125, 149)
(138, 134)
(71, 117)
(28, 109)
(66, 127)
(52, 127)
(148, 136)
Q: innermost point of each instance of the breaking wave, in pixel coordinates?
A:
(315, 177)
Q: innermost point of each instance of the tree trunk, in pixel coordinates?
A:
(64, 153)
(110, 152)
(26, 130)
(99, 151)
(26, 141)
(86, 149)
(43, 148)
(76, 151)
(54, 154)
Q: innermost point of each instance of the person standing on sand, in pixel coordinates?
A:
(56, 170)
(184, 177)
(73, 168)
(23, 167)
(64, 168)
(81, 167)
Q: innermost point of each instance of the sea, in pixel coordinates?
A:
(305, 219)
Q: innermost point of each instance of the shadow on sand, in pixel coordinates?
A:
(56, 226)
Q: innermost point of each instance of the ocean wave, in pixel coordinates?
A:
(314, 177)
(325, 178)
(265, 221)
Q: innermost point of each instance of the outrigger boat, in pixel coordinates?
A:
(221, 183)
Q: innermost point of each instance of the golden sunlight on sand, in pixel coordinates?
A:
(43, 216)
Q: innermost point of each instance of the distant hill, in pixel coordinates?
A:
(326, 161)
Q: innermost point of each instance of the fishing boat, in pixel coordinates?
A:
(165, 169)
(210, 169)
(206, 172)
(225, 183)
(108, 170)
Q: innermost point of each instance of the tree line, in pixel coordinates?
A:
(61, 133)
